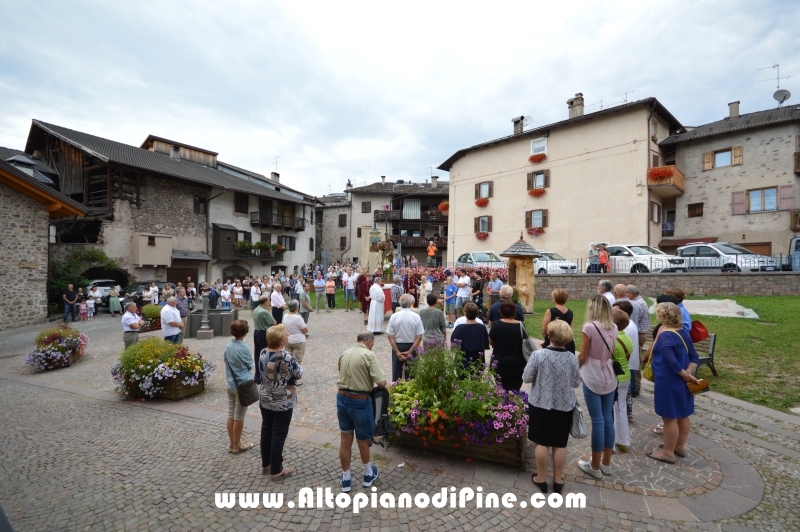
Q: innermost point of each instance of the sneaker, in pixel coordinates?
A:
(346, 484)
(622, 449)
(369, 479)
(586, 467)
(605, 469)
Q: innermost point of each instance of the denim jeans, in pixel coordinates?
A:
(634, 383)
(600, 409)
(173, 338)
(67, 309)
(226, 304)
(355, 415)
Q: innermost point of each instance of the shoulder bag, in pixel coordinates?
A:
(578, 429)
(702, 385)
(248, 391)
(614, 364)
(528, 347)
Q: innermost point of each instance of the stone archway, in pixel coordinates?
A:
(234, 271)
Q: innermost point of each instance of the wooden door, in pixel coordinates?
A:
(180, 275)
(763, 248)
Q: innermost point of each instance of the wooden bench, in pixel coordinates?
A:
(705, 350)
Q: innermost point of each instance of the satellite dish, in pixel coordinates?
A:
(782, 95)
(527, 120)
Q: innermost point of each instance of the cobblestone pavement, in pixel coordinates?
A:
(122, 465)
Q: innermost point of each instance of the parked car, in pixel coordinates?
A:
(135, 289)
(553, 263)
(482, 259)
(635, 258)
(725, 257)
(794, 255)
(102, 286)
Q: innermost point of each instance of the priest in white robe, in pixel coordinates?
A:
(376, 298)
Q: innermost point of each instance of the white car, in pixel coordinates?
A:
(637, 258)
(480, 259)
(553, 263)
(725, 257)
(102, 286)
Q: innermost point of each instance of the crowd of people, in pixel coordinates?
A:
(616, 329)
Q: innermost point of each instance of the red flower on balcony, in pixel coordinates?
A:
(539, 157)
(537, 192)
(660, 173)
(482, 202)
(444, 206)
(481, 235)
(535, 231)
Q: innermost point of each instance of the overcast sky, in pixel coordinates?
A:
(353, 90)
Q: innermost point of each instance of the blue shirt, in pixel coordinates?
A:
(686, 319)
(239, 361)
(319, 285)
(496, 286)
(450, 293)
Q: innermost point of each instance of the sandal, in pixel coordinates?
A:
(658, 430)
(541, 485)
(664, 459)
(678, 452)
(287, 472)
(243, 446)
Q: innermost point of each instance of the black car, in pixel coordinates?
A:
(135, 289)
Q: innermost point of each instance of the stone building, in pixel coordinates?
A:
(27, 205)
(408, 212)
(573, 182)
(740, 181)
(168, 210)
(333, 228)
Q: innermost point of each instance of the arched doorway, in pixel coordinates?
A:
(234, 272)
(120, 276)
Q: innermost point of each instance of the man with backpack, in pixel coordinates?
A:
(359, 373)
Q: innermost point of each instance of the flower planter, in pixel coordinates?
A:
(539, 157)
(175, 390)
(482, 202)
(482, 235)
(510, 452)
(57, 348)
(151, 325)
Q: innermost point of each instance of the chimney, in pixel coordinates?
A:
(575, 105)
(383, 179)
(275, 176)
(733, 107)
(517, 120)
(434, 181)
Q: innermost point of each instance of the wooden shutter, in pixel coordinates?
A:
(786, 197)
(528, 218)
(293, 242)
(544, 217)
(798, 143)
(489, 225)
(343, 220)
(266, 238)
(358, 232)
(656, 161)
(708, 161)
(248, 236)
(491, 189)
(477, 223)
(738, 202)
(477, 190)
(546, 178)
(531, 182)
(736, 155)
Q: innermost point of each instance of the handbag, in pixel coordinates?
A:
(578, 429)
(248, 391)
(616, 366)
(528, 347)
(698, 333)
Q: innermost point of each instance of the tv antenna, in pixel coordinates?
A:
(615, 100)
(780, 95)
(276, 162)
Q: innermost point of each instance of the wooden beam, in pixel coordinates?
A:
(52, 207)
(93, 167)
(120, 182)
(85, 189)
(138, 190)
(108, 185)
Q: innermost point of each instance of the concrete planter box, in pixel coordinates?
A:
(174, 390)
(511, 452)
(153, 324)
(220, 321)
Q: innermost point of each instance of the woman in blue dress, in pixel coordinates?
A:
(674, 362)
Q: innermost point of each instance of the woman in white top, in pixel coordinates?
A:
(423, 290)
(154, 293)
(297, 330)
(255, 293)
(225, 297)
(238, 292)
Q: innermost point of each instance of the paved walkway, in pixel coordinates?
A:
(74, 455)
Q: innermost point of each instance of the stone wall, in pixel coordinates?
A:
(23, 259)
(694, 284)
(332, 234)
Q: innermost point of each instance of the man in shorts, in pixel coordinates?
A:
(349, 282)
(359, 373)
(463, 294)
(450, 290)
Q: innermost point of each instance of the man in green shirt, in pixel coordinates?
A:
(359, 372)
(262, 320)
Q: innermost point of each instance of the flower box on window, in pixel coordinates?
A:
(481, 235)
(537, 158)
(537, 192)
(535, 231)
(482, 202)
(444, 206)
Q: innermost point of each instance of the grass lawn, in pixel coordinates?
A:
(757, 360)
(339, 300)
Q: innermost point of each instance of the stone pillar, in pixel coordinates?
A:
(205, 332)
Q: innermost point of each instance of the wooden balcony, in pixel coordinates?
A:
(797, 162)
(419, 242)
(265, 255)
(260, 219)
(425, 216)
(665, 181)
